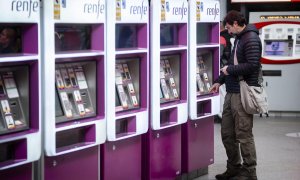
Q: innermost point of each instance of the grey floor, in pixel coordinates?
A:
(278, 149)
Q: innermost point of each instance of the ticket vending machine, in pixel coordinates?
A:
(74, 88)
(280, 36)
(198, 132)
(20, 132)
(169, 86)
(127, 87)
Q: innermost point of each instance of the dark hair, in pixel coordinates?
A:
(234, 15)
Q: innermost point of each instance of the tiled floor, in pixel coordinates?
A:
(278, 154)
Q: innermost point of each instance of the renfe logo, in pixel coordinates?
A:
(180, 11)
(25, 6)
(142, 10)
(94, 8)
(213, 11)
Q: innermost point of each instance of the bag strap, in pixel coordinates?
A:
(235, 61)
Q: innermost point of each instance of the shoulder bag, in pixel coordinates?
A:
(253, 98)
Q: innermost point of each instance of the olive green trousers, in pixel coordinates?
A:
(237, 136)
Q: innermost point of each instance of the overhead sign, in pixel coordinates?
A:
(132, 10)
(208, 11)
(79, 11)
(280, 17)
(174, 11)
(258, 1)
(19, 11)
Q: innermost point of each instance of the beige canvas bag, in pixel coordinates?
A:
(254, 99)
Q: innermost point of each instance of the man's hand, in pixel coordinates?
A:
(215, 88)
(224, 70)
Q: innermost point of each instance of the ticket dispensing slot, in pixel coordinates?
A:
(14, 99)
(204, 108)
(125, 126)
(74, 138)
(168, 116)
(169, 78)
(75, 91)
(127, 84)
(12, 152)
(204, 72)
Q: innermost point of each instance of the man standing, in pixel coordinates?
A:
(236, 126)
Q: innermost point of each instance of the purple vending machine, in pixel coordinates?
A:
(20, 132)
(198, 132)
(74, 88)
(127, 87)
(169, 86)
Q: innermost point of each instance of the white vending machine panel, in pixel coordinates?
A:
(74, 73)
(204, 52)
(20, 79)
(127, 51)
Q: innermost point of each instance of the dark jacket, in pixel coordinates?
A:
(248, 55)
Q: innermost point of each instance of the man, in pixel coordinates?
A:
(236, 126)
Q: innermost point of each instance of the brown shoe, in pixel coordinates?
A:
(227, 174)
(245, 174)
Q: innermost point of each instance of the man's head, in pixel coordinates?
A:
(7, 36)
(234, 22)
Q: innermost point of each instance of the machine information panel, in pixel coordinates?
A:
(203, 78)
(74, 98)
(126, 97)
(12, 117)
(168, 86)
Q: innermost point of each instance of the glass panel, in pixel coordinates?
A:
(204, 33)
(10, 39)
(126, 36)
(168, 34)
(71, 37)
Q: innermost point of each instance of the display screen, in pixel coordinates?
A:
(168, 34)
(277, 48)
(204, 33)
(126, 36)
(72, 37)
(10, 39)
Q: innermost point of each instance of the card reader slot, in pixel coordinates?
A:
(271, 72)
